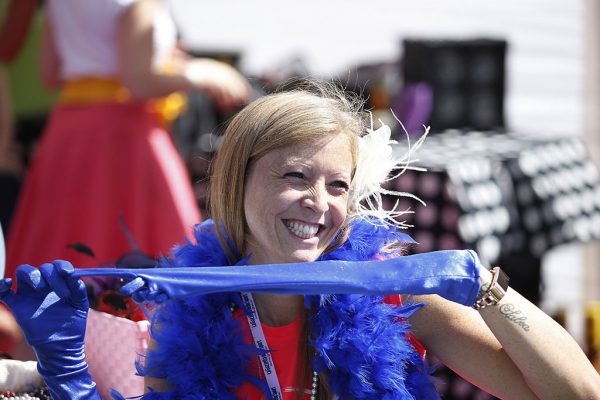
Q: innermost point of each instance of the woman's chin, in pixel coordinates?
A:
(304, 256)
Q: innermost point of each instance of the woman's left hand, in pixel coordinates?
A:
(228, 87)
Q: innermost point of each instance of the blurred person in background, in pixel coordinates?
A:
(106, 157)
(15, 21)
(9, 330)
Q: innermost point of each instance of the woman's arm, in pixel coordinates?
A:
(513, 350)
(136, 51)
(49, 58)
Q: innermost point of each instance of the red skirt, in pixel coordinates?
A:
(95, 165)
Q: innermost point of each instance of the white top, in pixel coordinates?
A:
(85, 34)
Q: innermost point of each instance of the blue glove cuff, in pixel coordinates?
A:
(70, 381)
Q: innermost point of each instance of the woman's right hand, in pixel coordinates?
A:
(221, 81)
(51, 307)
(49, 304)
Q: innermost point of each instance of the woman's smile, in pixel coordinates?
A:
(301, 229)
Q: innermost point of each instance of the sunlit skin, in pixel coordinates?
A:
(296, 200)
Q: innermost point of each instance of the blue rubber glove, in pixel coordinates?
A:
(51, 307)
(453, 274)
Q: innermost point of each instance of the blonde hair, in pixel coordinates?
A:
(308, 112)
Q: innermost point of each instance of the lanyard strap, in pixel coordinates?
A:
(261, 343)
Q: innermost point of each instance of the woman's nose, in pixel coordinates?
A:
(317, 198)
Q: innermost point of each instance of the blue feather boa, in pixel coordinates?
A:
(360, 342)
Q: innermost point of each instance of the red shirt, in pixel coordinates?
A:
(283, 340)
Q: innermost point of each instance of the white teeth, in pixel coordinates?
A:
(304, 231)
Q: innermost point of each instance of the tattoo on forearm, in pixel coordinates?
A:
(510, 312)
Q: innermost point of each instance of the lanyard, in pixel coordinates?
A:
(261, 343)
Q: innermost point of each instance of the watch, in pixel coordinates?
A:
(495, 292)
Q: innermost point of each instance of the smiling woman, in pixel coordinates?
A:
(286, 191)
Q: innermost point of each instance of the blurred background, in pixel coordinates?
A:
(510, 90)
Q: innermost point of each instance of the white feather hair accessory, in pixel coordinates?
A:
(378, 164)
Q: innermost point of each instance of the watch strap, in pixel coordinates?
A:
(495, 292)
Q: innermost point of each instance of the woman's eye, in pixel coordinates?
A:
(343, 185)
(297, 175)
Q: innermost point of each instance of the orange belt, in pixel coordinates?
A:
(88, 91)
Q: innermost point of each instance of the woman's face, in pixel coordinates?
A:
(296, 200)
